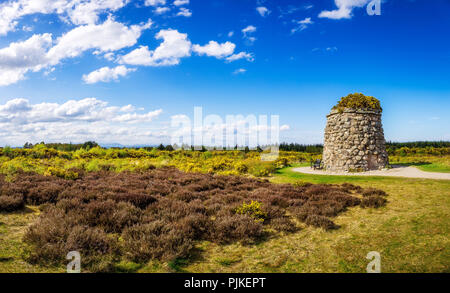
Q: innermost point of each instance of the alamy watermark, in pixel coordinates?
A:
(74, 266)
(233, 132)
(374, 7)
(375, 265)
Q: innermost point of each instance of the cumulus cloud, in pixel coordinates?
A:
(184, 12)
(215, 49)
(41, 51)
(75, 120)
(175, 46)
(106, 37)
(180, 2)
(21, 57)
(263, 11)
(345, 8)
(74, 11)
(21, 111)
(106, 74)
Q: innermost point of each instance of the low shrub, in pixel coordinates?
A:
(373, 192)
(237, 228)
(162, 213)
(11, 203)
(253, 210)
(65, 174)
(373, 201)
(320, 221)
(284, 224)
(155, 240)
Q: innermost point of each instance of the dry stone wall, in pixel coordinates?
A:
(354, 141)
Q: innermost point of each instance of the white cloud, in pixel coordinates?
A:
(162, 10)
(263, 11)
(247, 31)
(184, 12)
(76, 120)
(109, 56)
(106, 37)
(180, 2)
(154, 2)
(345, 8)
(37, 52)
(175, 46)
(106, 74)
(241, 55)
(76, 11)
(240, 71)
(215, 49)
(230, 34)
(301, 24)
(87, 12)
(86, 110)
(19, 58)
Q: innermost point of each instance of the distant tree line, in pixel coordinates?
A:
(292, 147)
(66, 147)
(418, 144)
(304, 148)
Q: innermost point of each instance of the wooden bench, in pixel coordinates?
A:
(317, 165)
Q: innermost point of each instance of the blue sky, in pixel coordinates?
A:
(117, 71)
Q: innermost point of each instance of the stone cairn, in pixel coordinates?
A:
(354, 140)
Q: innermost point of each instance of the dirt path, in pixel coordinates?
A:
(396, 171)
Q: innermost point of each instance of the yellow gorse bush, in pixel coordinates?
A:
(231, 162)
(253, 210)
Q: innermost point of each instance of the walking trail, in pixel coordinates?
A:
(396, 171)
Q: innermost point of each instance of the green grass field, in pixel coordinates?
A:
(411, 233)
(439, 164)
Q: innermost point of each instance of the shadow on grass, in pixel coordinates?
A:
(25, 210)
(179, 264)
(6, 259)
(421, 163)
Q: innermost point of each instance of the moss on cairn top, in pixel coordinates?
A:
(358, 101)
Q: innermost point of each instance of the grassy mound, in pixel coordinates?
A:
(162, 213)
(358, 101)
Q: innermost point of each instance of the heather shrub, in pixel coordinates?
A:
(237, 228)
(161, 213)
(11, 203)
(320, 221)
(283, 224)
(373, 201)
(47, 237)
(155, 240)
(373, 192)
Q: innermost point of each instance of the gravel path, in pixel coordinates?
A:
(396, 171)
